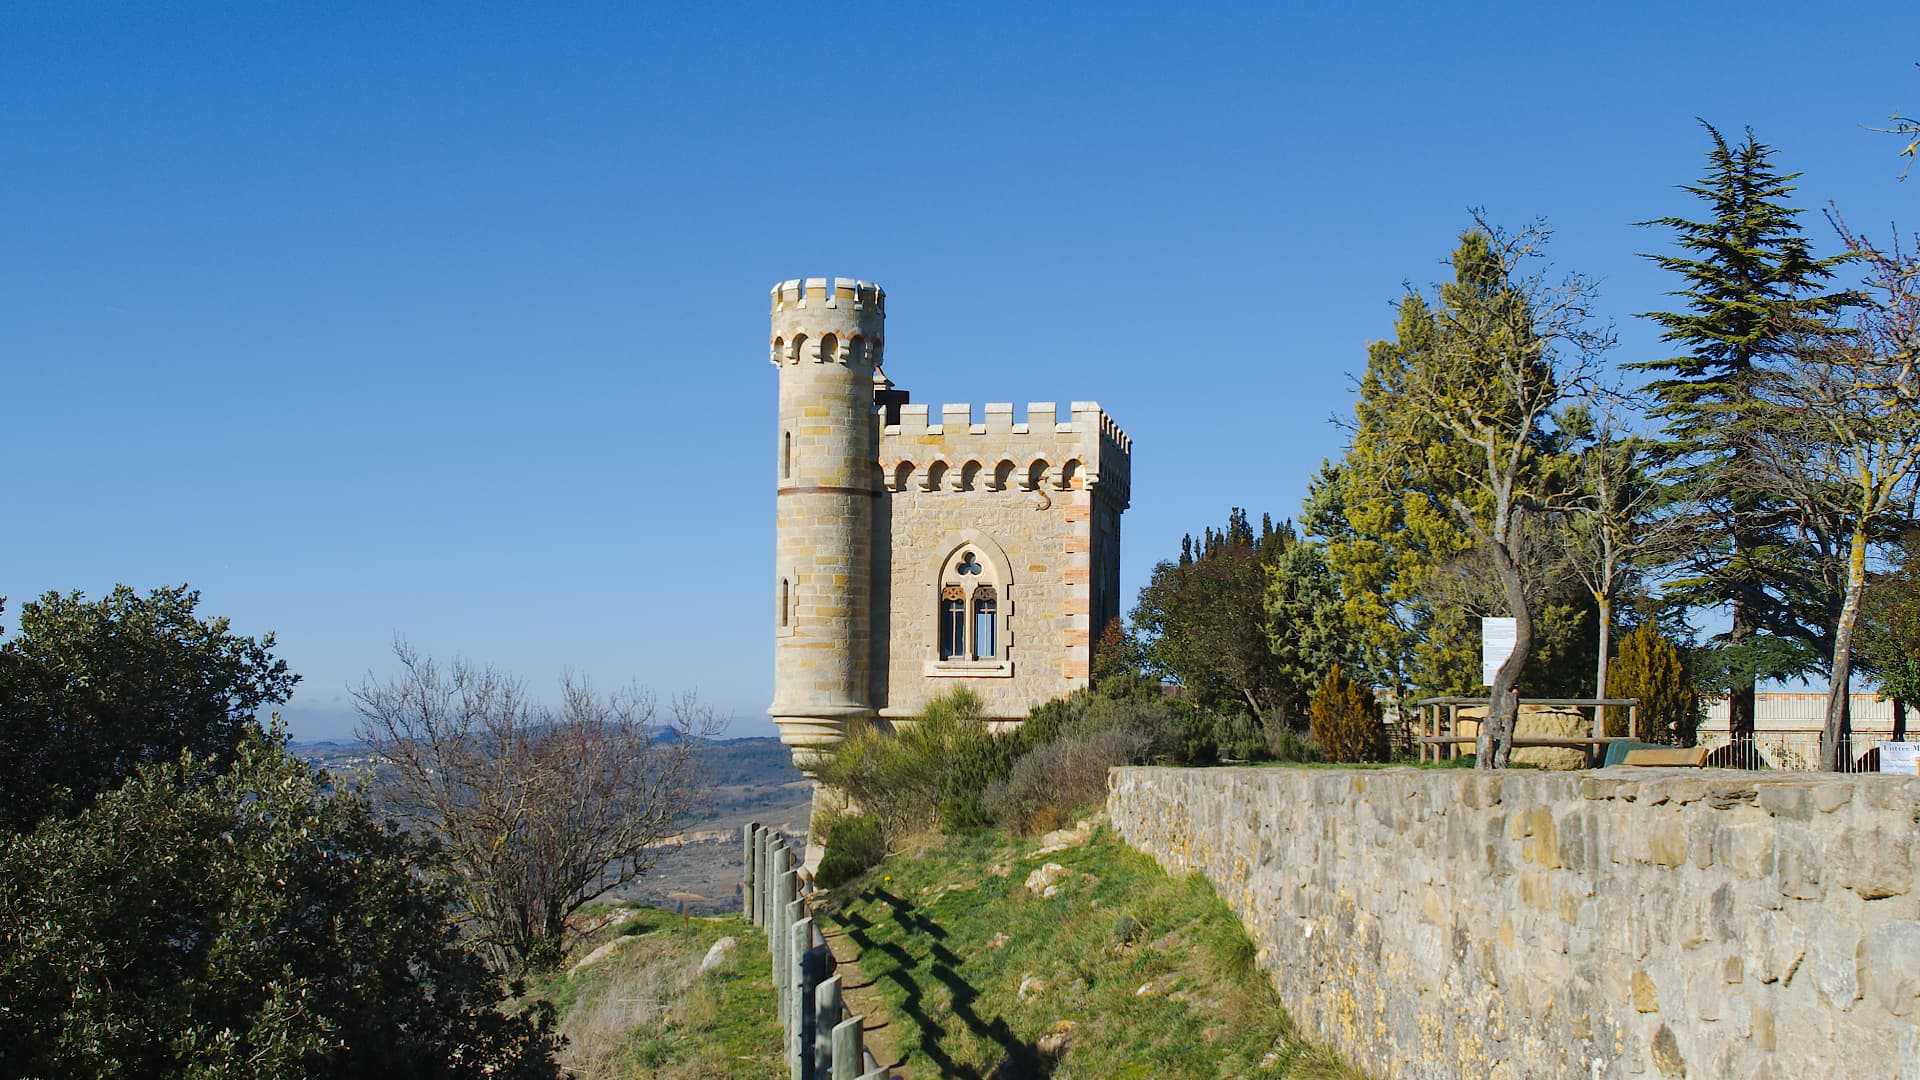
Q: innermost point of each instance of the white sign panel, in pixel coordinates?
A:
(1900, 757)
(1496, 644)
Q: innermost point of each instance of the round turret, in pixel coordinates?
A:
(826, 341)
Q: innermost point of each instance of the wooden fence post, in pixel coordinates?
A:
(776, 914)
(826, 1015)
(747, 878)
(848, 1052)
(799, 1020)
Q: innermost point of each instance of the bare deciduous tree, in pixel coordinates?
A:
(542, 807)
(1612, 526)
(1846, 443)
(1511, 344)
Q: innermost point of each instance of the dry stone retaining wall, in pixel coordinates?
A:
(1643, 923)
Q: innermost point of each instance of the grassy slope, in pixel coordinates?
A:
(646, 1011)
(926, 925)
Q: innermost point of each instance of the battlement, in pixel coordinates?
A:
(954, 450)
(1084, 417)
(803, 293)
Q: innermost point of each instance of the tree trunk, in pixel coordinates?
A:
(1899, 719)
(1836, 749)
(1605, 603)
(1740, 694)
(1503, 703)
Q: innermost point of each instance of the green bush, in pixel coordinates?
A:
(1346, 720)
(854, 845)
(1285, 744)
(90, 690)
(242, 920)
(977, 758)
(1650, 667)
(1054, 783)
(1239, 737)
(924, 772)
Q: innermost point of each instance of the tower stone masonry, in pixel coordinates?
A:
(917, 553)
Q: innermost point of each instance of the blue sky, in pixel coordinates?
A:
(448, 321)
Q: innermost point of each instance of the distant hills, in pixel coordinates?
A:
(751, 779)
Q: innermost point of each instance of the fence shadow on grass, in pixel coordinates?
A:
(1021, 1059)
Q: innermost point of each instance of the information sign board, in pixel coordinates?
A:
(1900, 757)
(1496, 644)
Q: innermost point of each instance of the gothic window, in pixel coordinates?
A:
(971, 634)
(953, 623)
(985, 623)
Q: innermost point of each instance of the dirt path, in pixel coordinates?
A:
(861, 1000)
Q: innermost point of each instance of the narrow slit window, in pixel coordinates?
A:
(986, 611)
(953, 623)
(786, 602)
(786, 455)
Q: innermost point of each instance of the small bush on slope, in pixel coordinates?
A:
(1060, 780)
(853, 844)
(924, 771)
(949, 940)
(1346, 719)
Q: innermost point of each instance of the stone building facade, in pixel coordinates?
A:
(916, 551)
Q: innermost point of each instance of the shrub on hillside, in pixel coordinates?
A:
(1346, 719)
(1128, 702)
(1286, 744)
(1239, 737)
(918, 774)
(1056, 782)
(242, 920)
(854, 844)
(976, 759)
(1650, 667)
(90, 690)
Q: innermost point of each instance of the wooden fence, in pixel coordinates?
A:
(823, 1040)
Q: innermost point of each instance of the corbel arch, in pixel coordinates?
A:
(936, 477)
(1070, 475)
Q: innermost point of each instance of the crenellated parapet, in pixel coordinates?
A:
(797, 294)
(953, 450)
(827, 321)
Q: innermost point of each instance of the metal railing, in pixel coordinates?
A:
(823, 1040)
(1795, 749)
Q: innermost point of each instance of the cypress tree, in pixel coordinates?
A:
(1753, 288)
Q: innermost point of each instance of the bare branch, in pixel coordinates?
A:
(541, 807)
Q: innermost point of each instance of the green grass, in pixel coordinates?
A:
(927, 928)
(646, 1011)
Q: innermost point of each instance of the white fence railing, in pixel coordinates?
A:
(823, 1040)
(1796, 749)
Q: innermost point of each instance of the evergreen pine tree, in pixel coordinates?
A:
(1651, 669)
(1753, 288)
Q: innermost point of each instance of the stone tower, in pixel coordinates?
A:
(826, 341)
